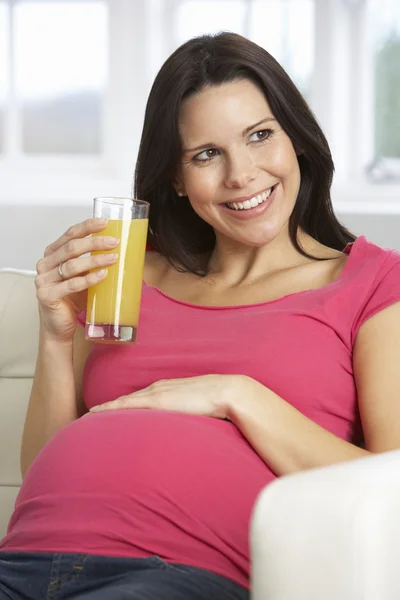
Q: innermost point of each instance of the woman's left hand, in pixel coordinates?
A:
(208, 395)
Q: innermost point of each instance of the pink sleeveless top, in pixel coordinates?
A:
(144, 482)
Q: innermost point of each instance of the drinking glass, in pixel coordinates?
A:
(113, 304)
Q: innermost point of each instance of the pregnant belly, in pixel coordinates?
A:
(140, 482)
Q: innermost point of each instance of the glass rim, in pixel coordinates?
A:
(120, 201)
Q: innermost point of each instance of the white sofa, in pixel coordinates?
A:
(325, 534)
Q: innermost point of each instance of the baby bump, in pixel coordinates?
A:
(127, 449)
(148, 466)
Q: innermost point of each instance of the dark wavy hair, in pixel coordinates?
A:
(175, 229)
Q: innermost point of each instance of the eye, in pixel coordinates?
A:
(262, 135)
(206, 155)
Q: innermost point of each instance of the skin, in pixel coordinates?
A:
(241, 165)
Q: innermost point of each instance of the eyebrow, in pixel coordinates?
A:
(244, 132)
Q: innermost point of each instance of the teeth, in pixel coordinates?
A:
(252, 203)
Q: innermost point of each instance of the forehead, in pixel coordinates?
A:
(236, 104)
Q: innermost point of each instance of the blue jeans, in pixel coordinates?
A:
(56, 576)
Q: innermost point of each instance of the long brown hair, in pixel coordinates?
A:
(175, 229)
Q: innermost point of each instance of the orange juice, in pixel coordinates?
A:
(113, 304)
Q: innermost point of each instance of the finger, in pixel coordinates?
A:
(75, 248)
(79, 230)
(130, 401)
(77, 266)
(51, 295)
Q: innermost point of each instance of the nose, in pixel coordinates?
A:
(241, 170)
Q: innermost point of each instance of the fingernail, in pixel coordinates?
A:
(103, 221)
(101, 272)
(113, 241)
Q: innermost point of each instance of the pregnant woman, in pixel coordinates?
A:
(268, 344)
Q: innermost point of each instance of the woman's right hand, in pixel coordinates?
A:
(61, 300)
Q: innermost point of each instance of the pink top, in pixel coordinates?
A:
(143, 482)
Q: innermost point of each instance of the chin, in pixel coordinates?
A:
(253, 243)
(259, 239)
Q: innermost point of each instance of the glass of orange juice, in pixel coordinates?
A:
(113, 304)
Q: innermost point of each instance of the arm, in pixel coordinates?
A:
(284, 438)
(56, 397)
(288, 441)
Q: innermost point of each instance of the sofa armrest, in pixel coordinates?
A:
(19, 334)
(331, 533)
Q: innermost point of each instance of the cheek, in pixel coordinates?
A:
(202, 183)
(282, 161)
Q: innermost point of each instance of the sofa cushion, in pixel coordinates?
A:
(19, 329)
(8, 494)
(19, 324)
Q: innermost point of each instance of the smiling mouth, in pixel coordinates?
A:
(253, 202)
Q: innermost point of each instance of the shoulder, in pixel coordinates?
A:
(384, 258)
(383, 292)
(371, 283)
(382, 265)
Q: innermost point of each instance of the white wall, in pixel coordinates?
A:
(26, 230)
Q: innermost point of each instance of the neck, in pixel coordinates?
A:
(234, 264)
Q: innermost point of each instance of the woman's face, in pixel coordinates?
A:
(234, 151)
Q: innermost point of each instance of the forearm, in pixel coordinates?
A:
(52, 403)
(283, 437)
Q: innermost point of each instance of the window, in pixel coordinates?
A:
(193, 17)
(4, 76)
(285, 28)
(61, 75)
(75, 76)
(58, 58)
(384, 42)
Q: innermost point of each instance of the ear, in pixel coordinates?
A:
(178, 185)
